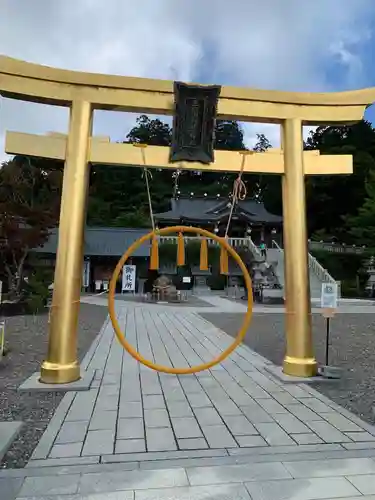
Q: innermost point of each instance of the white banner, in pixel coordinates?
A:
(329, 297)
(86, 274)
(128, 278)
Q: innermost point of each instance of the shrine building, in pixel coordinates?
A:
(250, 218)
(103, 246)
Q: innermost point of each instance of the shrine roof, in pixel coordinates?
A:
(209, 209)
(103, 241)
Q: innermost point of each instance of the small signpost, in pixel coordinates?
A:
(128, 278)
(329, 304)
(86, 274)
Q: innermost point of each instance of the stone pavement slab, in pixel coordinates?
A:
(10, 487)
(237, 404)
(275, 480)
(8, 432)
(232, 432)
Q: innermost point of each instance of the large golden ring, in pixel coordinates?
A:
(112, 290)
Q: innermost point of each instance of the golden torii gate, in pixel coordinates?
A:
(84, 92)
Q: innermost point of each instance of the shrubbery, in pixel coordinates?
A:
(36, 292)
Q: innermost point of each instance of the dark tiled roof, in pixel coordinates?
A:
(214, 209)
(104, 241)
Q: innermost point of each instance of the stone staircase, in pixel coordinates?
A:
(318, 275)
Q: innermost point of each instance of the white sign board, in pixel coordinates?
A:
(186, 279)
(329, 297)
(128, 278)
(86, 274)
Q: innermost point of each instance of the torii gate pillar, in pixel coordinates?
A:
(299, 359)
(61, 365)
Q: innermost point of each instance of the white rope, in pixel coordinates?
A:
(148, 176)
(239, 190)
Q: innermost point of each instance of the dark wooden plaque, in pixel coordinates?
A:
(194, 122)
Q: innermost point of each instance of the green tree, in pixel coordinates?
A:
(229, 136)
(262, 144)
(149, 131)
(362, 225)
(118, 194)
(260, 181)
(332, 199)
(29, 208)
(267, 187)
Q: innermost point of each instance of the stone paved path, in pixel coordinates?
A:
(233, 432)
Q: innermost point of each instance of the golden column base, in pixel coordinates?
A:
(61, 365)
(57, 373)
(299, 359)
(298, 367)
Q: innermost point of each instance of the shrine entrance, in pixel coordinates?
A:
(195, 109)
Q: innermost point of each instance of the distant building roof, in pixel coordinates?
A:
(211, 209)
(103, 241)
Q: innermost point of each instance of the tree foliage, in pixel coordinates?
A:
(333, 200)
(362, 225)
(29, 208)
(266, 186)
(118, 194)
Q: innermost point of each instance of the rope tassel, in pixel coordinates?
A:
(203, 264)
(224, 261)
(154, 255)
(180, 250)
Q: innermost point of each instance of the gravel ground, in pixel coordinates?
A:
(27, 339)
(352, 348)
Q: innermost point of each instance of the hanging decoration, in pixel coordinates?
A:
(239, 193)
(180, 250)
(203, 261)
(154, 254)
(224, 260)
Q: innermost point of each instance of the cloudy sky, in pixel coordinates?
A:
(301, 45)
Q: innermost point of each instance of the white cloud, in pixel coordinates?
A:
(271, 44)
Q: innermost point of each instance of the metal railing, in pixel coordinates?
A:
(319, 271)
(234, 242)
(255, 250)
(277, 246)
(314, 265)
(336, 247)
(248, 242)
